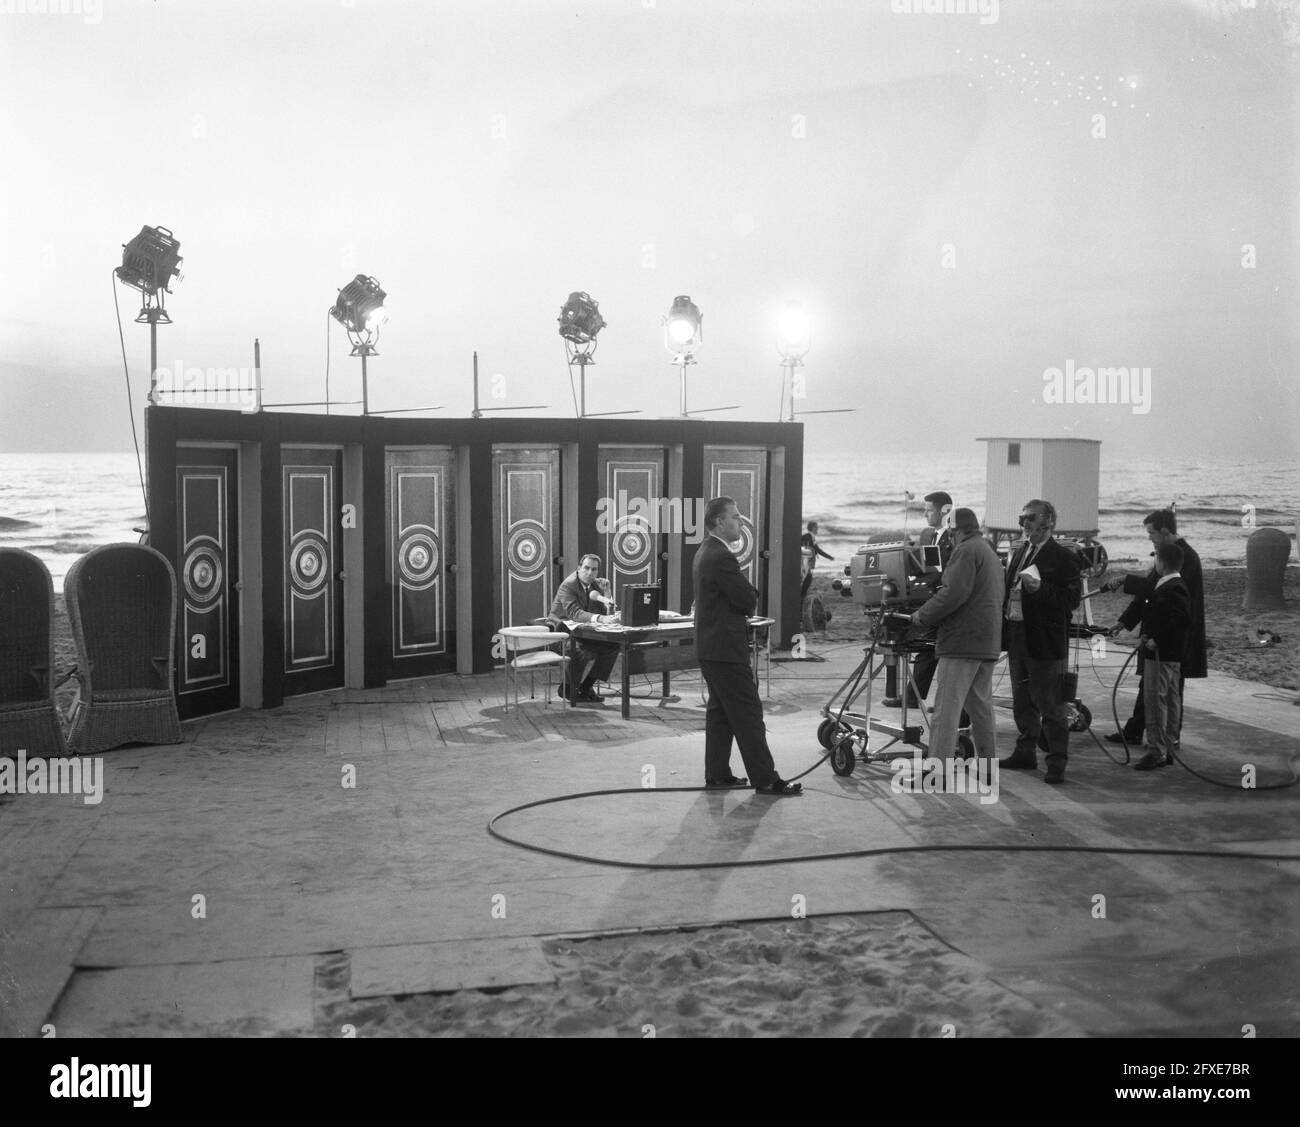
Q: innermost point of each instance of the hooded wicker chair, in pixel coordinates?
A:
(29, 720)
(122, 603)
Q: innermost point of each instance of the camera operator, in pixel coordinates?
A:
(967, 611)
(936, 532)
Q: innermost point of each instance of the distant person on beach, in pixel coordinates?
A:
(1161, 527)
(810, 552)
(967, 613)
(936, 532)
(1166, 630)
(1042, 589)
(581, 598)
(724, 599)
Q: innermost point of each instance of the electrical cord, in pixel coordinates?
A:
(838, 855)
(130, 405)
(851, 685)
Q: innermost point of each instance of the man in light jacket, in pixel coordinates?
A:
(968, 612)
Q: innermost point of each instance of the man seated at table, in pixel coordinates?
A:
(581, 598)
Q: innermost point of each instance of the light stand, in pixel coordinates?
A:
(360, 310)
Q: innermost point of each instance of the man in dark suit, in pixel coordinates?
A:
(580, 599)
(937, 507)
(724, 599)
(1042, 590)
(1162, 528)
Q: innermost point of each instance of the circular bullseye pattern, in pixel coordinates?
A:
(746, 551)
(418, 558)
(309, 563)
(526, 551)
(202, 574)
(632, 542)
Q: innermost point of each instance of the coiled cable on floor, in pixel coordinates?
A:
(838, 855)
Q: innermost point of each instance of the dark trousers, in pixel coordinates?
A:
(591, 661)
(1136, 725)
(1037, 701)
(735, 711)
(803, 587)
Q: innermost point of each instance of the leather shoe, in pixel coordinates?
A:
(1019, 761)
(780, 789)
(727, 781)
(1054, 775)
(1119, 738)
(590, 696)
(1150, 762)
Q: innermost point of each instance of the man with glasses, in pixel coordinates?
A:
(1042, 589)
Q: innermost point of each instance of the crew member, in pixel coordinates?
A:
(810, 552)
(580, 599)
(1161, 527)
(724, 600)
(1166, 628)
(1042, 590)
(968, 612)
(937, 507)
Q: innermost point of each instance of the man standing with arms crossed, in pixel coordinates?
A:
(724, 600)
(1041, 592)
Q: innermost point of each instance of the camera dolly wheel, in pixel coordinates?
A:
(843, 759)
(1078, 716)
(830, 730)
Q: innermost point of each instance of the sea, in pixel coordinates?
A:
(60, 506)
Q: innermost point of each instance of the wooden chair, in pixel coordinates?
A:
(529, 649)
(122, 603)
(29, 719)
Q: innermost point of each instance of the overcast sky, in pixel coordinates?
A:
(935, 187)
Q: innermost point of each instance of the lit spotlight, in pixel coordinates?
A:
(794, 332)
(360, 310)
(683, 330)
(360, 306)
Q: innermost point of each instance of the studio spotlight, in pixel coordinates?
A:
(683, 330)
(580, 320)
(149, 263)
(794, 333)
(360, 310)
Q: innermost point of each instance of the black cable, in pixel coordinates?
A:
(573, 392)
(839, 855)
(130, 405)
(1172, 755)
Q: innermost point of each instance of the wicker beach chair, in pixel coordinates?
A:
(122, 603)
(29, 720)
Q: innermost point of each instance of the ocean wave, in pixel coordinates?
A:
(15, 522)
(74, 547)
